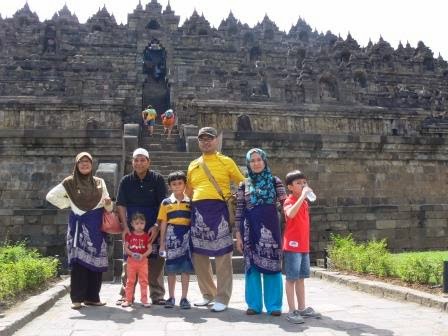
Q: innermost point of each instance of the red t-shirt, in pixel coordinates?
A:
(137, 243)
(296, 237)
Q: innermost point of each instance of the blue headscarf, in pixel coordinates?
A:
(261, 186)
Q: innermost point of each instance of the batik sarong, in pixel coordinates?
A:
(210, 230)
(262, 239)
(177, 240)
(86, 244)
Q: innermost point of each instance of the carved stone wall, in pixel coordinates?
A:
(367, 124)
(374, 186)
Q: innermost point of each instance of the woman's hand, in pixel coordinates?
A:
(107, 201)
(239, 244)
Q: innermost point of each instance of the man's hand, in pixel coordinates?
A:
(153, 232)
(125, 231)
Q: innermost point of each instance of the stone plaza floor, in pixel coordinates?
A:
(345, 312)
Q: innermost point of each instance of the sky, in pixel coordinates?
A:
(394, 20)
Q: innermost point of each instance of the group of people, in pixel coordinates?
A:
(149, 116)
(178, 234)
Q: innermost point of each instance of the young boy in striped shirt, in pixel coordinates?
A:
(174, 217)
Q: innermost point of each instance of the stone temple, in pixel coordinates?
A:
(368, 125)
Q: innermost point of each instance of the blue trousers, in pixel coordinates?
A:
(272, 292)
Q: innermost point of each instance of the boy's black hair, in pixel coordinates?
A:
(294, 175)
(177, 175)
(138, 215)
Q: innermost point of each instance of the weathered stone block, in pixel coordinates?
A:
(386, 224)
(49, 229)
(109, 172)
(18, 220)
(435, 232)
(130, 143)
(192, 144)
(131, 129)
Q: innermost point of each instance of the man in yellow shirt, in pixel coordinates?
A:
(210, 230)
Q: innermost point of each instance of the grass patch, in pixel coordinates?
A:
(22, 269)
(372, 257)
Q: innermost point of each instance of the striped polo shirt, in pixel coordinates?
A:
(174, 212)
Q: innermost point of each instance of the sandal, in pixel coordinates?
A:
(120, 301)
(159, 302)
(91, 303)
(76, 305)
(126, 304)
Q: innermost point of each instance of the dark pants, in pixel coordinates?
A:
(156, 280)
(85, 284)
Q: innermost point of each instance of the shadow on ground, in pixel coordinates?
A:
(232, 316)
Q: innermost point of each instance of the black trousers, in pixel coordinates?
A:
(85, 284)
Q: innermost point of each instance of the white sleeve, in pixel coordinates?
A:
(58, 197)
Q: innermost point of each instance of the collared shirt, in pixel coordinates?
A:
(223, 169)
(147, 192)
(175, 212)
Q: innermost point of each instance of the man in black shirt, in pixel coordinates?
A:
(142, 191)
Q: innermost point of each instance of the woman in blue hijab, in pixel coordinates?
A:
(258, 234)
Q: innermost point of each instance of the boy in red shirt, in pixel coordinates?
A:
(137, 246)
(296, 246)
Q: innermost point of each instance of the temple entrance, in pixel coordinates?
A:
(155, 88)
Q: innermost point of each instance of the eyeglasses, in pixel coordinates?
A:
(206, 139)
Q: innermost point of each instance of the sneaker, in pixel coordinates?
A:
(170, 303)
(218, 307)
(184, 304)
(294, 317)
(309, 312)
(204, 302)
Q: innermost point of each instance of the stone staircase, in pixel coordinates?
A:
(167, 155)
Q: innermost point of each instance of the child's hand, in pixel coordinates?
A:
(305, 190)
(136, 256)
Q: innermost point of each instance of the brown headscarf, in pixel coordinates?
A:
(84, 190)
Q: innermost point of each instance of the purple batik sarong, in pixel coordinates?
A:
(210, 229)
(177, 243)
(262, 239)
(86, 244)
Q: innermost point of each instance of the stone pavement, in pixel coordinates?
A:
(345, 312)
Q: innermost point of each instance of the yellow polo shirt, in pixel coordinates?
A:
(223, 169)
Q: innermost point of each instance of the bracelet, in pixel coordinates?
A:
(156, 225)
